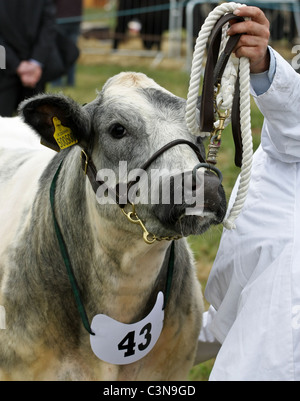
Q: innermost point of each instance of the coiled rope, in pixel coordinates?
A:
(227, 89)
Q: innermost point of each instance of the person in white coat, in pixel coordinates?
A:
(254, 285)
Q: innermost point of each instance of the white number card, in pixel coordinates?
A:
(122, 344)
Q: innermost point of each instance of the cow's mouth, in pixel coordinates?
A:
(185, 220)
(205, 206)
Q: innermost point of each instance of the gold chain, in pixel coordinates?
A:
(216, 134)
(149, 238)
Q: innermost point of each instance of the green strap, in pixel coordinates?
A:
(170, 274)
(66, 258)
(67, 262)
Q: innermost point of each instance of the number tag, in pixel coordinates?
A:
(122, 344)
(63, 135)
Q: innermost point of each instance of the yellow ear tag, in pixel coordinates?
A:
(63, 135)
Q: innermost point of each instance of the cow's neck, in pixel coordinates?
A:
(117, 271)
(129, 267)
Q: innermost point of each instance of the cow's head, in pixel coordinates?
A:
(131, 119)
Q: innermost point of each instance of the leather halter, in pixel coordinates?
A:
(90, 169)
(213, 74)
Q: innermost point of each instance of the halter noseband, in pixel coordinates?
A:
(90, 171)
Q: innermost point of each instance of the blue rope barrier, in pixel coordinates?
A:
(293, 7)
(122, 13)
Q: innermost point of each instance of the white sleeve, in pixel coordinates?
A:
(280, 106)
(208, 345)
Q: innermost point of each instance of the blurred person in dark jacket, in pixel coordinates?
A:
(27, 32)
(68, 14)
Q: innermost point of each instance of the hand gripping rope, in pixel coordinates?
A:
(224, 99)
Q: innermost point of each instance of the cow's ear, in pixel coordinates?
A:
(59, 120)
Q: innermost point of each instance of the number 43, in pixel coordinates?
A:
(129, 342)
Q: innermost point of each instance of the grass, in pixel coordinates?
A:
(92, 77)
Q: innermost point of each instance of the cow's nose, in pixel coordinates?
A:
(209, 168)
(209, 179)
(212, 193)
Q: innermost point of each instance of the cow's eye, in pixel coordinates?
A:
(118, 131)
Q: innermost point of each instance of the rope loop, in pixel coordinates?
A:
(225, 96)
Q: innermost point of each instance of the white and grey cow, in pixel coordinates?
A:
(117, 273)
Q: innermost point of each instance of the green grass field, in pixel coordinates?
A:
(92, 77)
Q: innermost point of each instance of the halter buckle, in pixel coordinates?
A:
(84, 159)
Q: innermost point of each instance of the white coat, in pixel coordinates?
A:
(254, 285)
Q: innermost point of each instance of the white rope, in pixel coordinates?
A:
(192, 99)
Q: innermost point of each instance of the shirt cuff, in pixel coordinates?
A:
(261, 82)
(32, 60)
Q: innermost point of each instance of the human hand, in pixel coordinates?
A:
(30, 73)
(254, 41)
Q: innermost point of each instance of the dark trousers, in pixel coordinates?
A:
(12, 92)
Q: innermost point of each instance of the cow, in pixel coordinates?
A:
(119, 271)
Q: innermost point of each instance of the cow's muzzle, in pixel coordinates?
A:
(203, 201)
